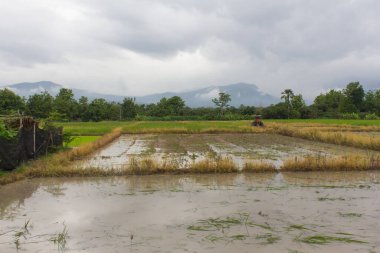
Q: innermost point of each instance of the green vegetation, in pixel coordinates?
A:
(325, 239)
(80, 140)
(60, 238)
(350, 103)
(350, 214)
(100, 128)
(268, 238)
(6, 133)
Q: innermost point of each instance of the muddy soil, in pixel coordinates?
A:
(185, 149)
(286, 212)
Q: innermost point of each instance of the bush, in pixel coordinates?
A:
(371, 116)
(351, 115)
(5, 133)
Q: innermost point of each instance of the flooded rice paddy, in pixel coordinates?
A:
(185, 149)
(285, 212)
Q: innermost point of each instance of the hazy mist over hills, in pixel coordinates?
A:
(241, 93)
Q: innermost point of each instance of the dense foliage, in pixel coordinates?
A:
(353, 102)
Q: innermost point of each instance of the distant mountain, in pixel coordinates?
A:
(241, 93)
(27, 89)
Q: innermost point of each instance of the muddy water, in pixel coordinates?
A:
(184, 149)
(208, 213)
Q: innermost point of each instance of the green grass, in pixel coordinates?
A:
(100, 128)
(79, 140)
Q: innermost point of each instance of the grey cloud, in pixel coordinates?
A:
(277, 43)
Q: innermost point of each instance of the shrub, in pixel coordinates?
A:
(371, 116)
(351, 115)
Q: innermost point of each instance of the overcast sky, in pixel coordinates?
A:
(137, 47)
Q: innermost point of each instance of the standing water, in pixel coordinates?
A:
(292, 212)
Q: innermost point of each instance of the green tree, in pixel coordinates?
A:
(10, 102)
(97, 109)
(297, 105)
(354, 94)
(65, 103)
(287, 95)
(175, 105)
(222, 101)
(83, 108)
(40, 105)
(327, 105)
(129, 108)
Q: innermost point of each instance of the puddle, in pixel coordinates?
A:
(205, 213)
(185, 149)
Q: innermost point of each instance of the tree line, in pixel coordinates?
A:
(352, 102)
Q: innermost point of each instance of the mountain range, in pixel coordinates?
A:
(241, 93)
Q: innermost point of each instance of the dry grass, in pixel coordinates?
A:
(218, 165)
(339, 138)
(259, 166)
(328, 163)
(151, 166)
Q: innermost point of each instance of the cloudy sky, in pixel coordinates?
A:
(137, 47)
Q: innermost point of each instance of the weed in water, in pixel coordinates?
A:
(60, 239)
(239, 237)
(350, 214)
(325, 239)
(268, 238)
(330, 199)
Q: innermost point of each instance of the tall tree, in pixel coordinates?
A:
(287, 95)
(128, 108)
(83, 108)
(40, 105)
(65, 103)
(175, 105)
(354, 94)
(222, 101)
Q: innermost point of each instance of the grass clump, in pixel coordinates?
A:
(218, 165)
(338, 163)
(325, 239)
(60, 239)
(259, 166)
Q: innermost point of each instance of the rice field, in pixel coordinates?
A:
(292, 186)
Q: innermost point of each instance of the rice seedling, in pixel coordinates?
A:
(259, 166)
(214, 238)
(60, 239)
(239, 237)
(21, 234)
(350, 214)
(268, 238)
(330, 199)
(297, 226)
(325, 239)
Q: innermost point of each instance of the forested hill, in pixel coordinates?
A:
(241, 93)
